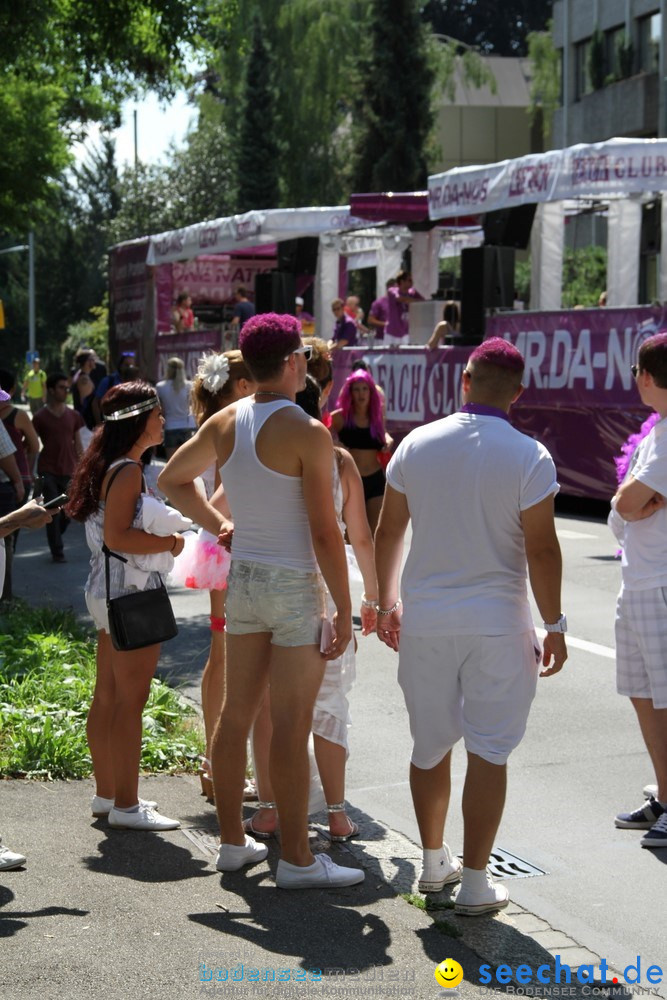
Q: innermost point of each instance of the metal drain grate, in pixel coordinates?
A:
(502, 864)
(203, 840)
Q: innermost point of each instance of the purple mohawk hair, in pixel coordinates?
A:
(269, 335)
(498, 352)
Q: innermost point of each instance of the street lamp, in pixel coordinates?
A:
(30, 247)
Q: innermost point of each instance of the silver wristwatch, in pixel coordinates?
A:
(559, 626)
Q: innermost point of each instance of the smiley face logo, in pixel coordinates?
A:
(448, 974)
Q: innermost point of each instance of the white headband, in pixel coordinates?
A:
(132, 411)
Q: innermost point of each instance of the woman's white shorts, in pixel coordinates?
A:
(478, 687)
(97, 607)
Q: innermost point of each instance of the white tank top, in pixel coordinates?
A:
(269, 513)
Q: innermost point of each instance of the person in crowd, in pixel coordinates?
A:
(12, 488)
(34, 386)
(82, 385)
(106, 494)
(321, 369)
(18, 425)
(174, 392)
(331, 717)
(354, 312)
(602, 299)
(221, 379)
(639, 520)
(449, 325)
(243, 309)
(126, 371)
(399, 297)
(275, 463)
(58, 426)
(30, 515)
(359, 425)
(379, 313)
(345, 329)
(182, 316)
(306, 319)
(468, 654)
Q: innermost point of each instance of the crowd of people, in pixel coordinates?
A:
(276, 489)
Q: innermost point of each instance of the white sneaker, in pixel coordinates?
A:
(492, 897)
(231, 857)
(143, 819)
(435, 877)
(10, 859)
(650, 791)
(102, 807)
(322, 874)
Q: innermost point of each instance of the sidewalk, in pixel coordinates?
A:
(106, 913)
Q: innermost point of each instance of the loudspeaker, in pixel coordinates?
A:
(651, 228)
(298, 256)
(275, 291)
(509, 227)
(487, 282)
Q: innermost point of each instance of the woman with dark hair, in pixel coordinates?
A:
(106, 494)
(221, 379)
(359, 424)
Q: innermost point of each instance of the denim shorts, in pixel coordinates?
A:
(288, 603)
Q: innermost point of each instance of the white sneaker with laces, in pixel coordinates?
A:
(232, 857)
(102, 807)
(447, 871)
(473, 904)
(650, 791)
(322, 874)
(10, 859)
(143, 819)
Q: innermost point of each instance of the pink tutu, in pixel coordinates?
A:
(203, 564)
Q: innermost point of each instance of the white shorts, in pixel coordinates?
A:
(641, 644)
(97, 608)
(478, 687)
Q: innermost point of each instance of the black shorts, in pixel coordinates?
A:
(374, 485)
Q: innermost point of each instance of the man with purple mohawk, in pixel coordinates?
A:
(480, 496)
(276, 467)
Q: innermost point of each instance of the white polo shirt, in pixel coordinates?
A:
(644, 562)
(466, 479)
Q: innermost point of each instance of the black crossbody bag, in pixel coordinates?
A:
(142, 618)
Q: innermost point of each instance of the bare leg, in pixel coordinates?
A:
(213, 678)
(132, 674)
(653, 724)
(483, 803)
(264, 820)
(247, 671)
(100, 717)
(430, 789)
(373, 508)
(331, 759)
(296, 675)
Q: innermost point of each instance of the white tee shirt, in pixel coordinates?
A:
(175, 405)
(466, 479)
(644, 562)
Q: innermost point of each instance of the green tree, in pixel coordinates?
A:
(257, 164)
(491, 27)
(584, 276)
(545, 80)
(393, 116)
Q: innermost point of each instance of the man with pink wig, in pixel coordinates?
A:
(480, 496)
(276, 466)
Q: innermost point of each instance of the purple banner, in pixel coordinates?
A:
(580, 399)
(189, 347)
(128, 277)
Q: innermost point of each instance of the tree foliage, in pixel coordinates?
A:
(487, 25)
(393, 114)
(545, 80)
(257, 164)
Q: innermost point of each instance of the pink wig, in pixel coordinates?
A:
(499, 353)
(344, 403)
(623, 460)
(269, 335)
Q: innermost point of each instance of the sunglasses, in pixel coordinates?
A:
(635, 369)
(305, 349)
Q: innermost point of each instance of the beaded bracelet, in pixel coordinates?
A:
(389, 611)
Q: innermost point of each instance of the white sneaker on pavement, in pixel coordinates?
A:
(322, 874)
(10, 859)
(473, 904)
(231, 857)
(447, 871)
(143, 819)
(102, 807)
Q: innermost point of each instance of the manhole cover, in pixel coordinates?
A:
(502, 864)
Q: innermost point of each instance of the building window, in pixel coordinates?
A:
(582, 81)
(613, 42)
(648, 37)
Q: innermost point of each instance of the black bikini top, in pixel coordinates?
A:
(359, 438)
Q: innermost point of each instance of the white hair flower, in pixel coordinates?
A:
(213, 371)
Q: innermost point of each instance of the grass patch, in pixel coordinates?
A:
(430, 905)
(47, 677)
